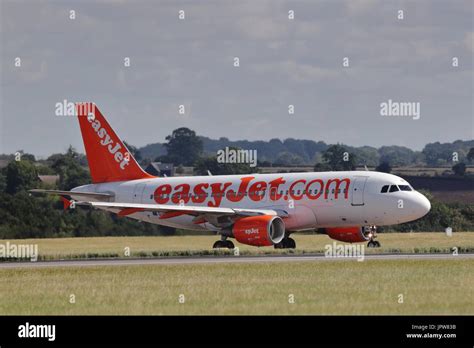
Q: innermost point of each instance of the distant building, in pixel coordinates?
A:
(160, 169)
(49, 179)
(3, 163)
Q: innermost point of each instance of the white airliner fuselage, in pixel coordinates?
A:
(310, 199)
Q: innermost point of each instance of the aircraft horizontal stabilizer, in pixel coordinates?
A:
(95, 195)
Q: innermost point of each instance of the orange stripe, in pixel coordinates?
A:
(128, 211)
(200, 220)
(171, 214)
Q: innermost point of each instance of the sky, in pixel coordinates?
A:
(282, 61)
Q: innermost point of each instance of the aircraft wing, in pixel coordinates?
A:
(201, 213)
(176, 210)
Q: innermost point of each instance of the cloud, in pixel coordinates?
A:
(359, 7)
(469, 42)
(283, 61)
(294, 72)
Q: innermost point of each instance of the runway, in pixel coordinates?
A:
(227, 260)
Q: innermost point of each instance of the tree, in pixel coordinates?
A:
(3, 181)
(20, 176)
(398, 155)
(470, 155)
(384, 167)
(459, 169)
(134, 151)
(339, 159)
(288, 159)
(183, 147)
(71, 173)
(322, 167)
(365, 155)
(437, 153)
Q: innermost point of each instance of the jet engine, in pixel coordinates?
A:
(348, 234)
(262, 230)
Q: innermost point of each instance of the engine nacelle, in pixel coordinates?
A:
(262, 230)
(348, 234)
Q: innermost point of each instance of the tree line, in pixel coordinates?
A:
(24, 216)
(293, 152)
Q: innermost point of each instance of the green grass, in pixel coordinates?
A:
(330, 287)
(67, 248)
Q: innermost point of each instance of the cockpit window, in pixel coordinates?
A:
(393, 188)
(384, 189)
(404, 188)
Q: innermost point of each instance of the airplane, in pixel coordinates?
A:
(254, 209)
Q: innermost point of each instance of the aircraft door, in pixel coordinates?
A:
(138, 192)
(358, 190)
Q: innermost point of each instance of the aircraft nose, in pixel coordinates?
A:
(423, 205)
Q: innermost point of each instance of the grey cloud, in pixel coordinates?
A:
(282, 62)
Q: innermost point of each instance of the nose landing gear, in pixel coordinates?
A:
(372, 235)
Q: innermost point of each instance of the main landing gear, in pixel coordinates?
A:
(373, 244)
(223, 243)
(286, 243)
(373, 234)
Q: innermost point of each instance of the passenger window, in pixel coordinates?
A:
(404, 188)
(384, 189)
(393, 188)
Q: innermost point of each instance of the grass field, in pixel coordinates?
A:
(330, 287)
(64, 248)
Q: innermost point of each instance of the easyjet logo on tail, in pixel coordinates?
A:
(108, 157)
(114, 148)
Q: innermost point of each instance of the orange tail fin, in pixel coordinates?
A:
(109, 159)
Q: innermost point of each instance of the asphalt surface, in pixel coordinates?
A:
(226, 260)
